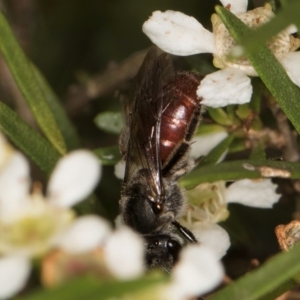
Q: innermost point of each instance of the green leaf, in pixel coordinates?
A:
(209, 128)
(108, 155)
(111, 122)
(258, 88)
(268, 68)
(276, 271)
(258, 152)
(243, 111)
(230, 109)
(92, 288)
(234, 170)
(278, 291)
(67, 129)
(28, 140)
(237, 145)
(217, 152)
(285, 17)
(220, 116)
(23, 74)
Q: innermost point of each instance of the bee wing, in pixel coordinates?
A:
(144, 111)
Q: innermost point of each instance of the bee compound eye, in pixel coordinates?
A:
(174, 248)
(157, 208)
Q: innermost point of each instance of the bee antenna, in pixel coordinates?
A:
(188, 235)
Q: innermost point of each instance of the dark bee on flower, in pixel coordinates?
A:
(161, 119)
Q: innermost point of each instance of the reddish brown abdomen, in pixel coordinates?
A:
(180, 115)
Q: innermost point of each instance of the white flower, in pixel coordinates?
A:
(179, 34)
(252, 193)
(14, 271)
(208, 206)
(91, 244)
(30, 224)
(85, 234)
(124, 254)
(197, 272)
(212, 236)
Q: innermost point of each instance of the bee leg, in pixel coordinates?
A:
(188, 235)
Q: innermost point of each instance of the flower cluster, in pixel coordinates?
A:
(210, 208)
(179, 34)
(46, 228)
(31, 223)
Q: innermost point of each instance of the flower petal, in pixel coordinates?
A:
(14, 271)
(120, 169)
(124, 254)
(204, 272)
(292, 29)
(291, 63)
(85, 234)
(179, 34)
(225, 87)
(235, 6)
(253, 193)
(212, 236)
(202, 144)
(74, 178)
(14, 185)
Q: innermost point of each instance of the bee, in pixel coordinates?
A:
(161, 119)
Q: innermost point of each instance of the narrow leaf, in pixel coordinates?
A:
(217, 152)
(264, 280)
(268, 68)
(209, 128)
(234, 170)
(94, 289)
(67, 129)
(28, 140)
(278, 291)
(28, 85)
(219, 115)
(258, 88)
(258, 152)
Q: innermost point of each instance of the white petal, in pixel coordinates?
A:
(85, 234)
(292, 29)
(224, 87)
(179, 34)
(14, 271)
(203, 144)
(197, 272)
(124, 254)
(74, 178)
(120, 169)
(236, 6)
(212, 236)
(291, 63)
(14, 185)
(253, 193)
